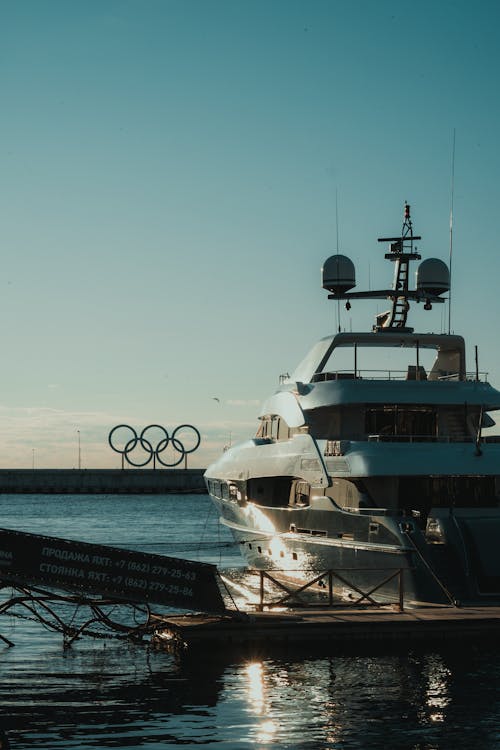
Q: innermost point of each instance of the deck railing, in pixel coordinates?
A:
(431, 439)
(386, 374)
(294, 595)
(338, 448)
(458, 438)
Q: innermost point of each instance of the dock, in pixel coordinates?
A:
(332, 628)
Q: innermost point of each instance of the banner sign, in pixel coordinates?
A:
(108, 571)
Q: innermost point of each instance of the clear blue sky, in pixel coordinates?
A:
(168, 174)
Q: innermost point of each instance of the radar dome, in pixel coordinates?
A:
(338, 274)
(433, 277)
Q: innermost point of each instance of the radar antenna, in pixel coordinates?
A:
(433, 279)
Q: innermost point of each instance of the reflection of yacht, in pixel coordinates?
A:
(371, 470)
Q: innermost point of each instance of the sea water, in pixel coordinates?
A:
(115, 694)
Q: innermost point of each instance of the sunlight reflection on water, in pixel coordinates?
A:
(113, 694)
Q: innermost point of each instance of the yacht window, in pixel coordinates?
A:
(302, 493)
(402, 421)
(270, 491)
(225, 491)
(350, 493)
(266, 428)
(283, 431)
(325, 422)
(273, 427)
(424, 493)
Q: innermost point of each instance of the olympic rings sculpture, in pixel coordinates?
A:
(147, 446)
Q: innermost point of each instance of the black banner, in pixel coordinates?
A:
(108, 571)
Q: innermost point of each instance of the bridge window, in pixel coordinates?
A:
(409, 421)
(273, 427)
(215, 489)
(269, 491)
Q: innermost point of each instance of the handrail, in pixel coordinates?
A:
(459, 438)
(295, 593)
(386, 374)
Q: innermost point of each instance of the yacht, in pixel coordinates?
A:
(368, 471)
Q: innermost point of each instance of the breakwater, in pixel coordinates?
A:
(101, 481)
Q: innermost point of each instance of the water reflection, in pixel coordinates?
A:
(266, 728)
(96, 694)
(437, 693)
(118, 695)
(255, 687)
(405, 701)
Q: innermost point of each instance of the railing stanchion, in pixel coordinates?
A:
(261, 603)
(330, 587)
(401, 590)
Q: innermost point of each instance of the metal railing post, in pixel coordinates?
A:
(261, 587)
(401, 590)
(330, 587)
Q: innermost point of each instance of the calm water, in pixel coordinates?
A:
(107, 693)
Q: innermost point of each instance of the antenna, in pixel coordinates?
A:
(337, 233)
(337, 217)
(451, 225)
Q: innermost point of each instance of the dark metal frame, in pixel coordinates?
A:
(364, 596)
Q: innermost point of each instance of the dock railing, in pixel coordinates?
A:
(293, 595)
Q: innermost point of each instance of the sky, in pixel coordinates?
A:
(173, 174)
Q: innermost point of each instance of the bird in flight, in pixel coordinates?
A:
(214, 398)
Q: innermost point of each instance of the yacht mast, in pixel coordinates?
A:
(401, 253)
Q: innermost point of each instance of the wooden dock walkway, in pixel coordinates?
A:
(336, 627)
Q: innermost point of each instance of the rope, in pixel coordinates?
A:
(438, 581)
(183, 545)
(38, 605)
(228, 591)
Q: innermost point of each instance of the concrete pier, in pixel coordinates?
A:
(101, 481)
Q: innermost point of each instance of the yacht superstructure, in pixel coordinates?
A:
(375, 470)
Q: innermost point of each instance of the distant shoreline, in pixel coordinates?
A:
(101, 481)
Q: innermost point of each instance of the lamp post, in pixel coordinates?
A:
(79, 451)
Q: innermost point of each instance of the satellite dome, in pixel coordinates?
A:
(433, 277)
(338, 274)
